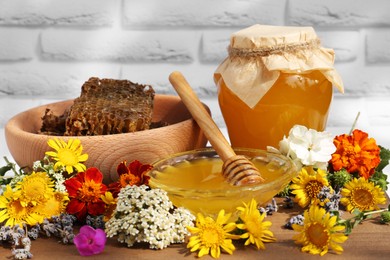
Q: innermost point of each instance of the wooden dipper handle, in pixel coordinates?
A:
(236, 169)
(199, 113)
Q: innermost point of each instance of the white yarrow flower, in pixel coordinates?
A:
(147, 215)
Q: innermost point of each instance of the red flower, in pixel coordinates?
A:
(356, 153)
(85, 190)
(134, 174)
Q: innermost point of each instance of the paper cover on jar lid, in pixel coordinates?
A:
(259, 53)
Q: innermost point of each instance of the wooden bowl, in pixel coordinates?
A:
(107, 151)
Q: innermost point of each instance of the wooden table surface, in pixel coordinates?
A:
(369, 240)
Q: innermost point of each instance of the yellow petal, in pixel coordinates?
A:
(215, 252)
(53, 144)
(83, 157)
(69, 169)
(194, 247)
(193, 243)
(203, 251)
(51, 154)
(337, 248)
(193, 230)
(230, 227)
(228, 247)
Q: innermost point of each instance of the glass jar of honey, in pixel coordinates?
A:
(274, 78)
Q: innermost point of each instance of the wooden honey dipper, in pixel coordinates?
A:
(237, 169)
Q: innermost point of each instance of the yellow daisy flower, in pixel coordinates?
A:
(307, 185)
(13, 213)
(257, 231)
(35, 188)
(319, 232)
(209, 235)
(54, 206)
(67, 155)
(362, 195)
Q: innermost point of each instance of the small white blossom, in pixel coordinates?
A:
(37, 165)
(147, 215)
(57, 176)
(308, 147)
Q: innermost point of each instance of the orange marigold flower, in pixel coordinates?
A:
(85, 190)
(133, 174)
(356, 153)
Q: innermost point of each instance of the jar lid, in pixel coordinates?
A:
(267, 36)
(260, 53)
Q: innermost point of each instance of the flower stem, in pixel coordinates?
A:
(11, 165)
(374, 212)
(354, 123)
(359, 217)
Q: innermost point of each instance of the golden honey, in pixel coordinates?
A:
(194, 180)
(293, 99)
(205, 174)
(275, 77)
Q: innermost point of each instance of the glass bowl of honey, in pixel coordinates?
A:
(194, 180)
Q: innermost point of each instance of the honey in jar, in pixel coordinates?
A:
(274, 78)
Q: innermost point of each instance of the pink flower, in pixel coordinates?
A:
(90, 241)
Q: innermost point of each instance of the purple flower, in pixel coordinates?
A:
(90, 241)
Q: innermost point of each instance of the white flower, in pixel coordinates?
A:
(308, 147)
(144, 215)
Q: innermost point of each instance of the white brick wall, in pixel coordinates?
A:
(48, 48)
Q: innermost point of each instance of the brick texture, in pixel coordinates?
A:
(377, 46)
(214, 45)
(50, 79)
(339, 13)
(17, 44)
(48, 48)
(346, 44)
(134, 46)
(204, 13)
(58, 12)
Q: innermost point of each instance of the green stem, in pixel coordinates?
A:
(354, 123)
(12, 165)
(374, 212)
(364, 214)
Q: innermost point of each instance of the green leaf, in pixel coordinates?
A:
(335, 213)
(385, 158)
(348, 228)
(380, 179)
(5, 169)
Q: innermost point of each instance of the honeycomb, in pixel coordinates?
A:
(109, 106)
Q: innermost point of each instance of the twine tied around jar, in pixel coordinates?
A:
(260, 53)
(271, 50)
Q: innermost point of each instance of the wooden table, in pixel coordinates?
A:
(369, 240)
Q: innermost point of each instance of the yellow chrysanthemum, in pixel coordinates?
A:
(307, 185)
(54, 206)
(13, 213)
(35, 188)
(257, 231)
(319, 232)
(208, 236)
(362, 195)
(67, 155)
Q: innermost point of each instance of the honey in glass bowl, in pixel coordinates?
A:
(194, 180)
(274, 78)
